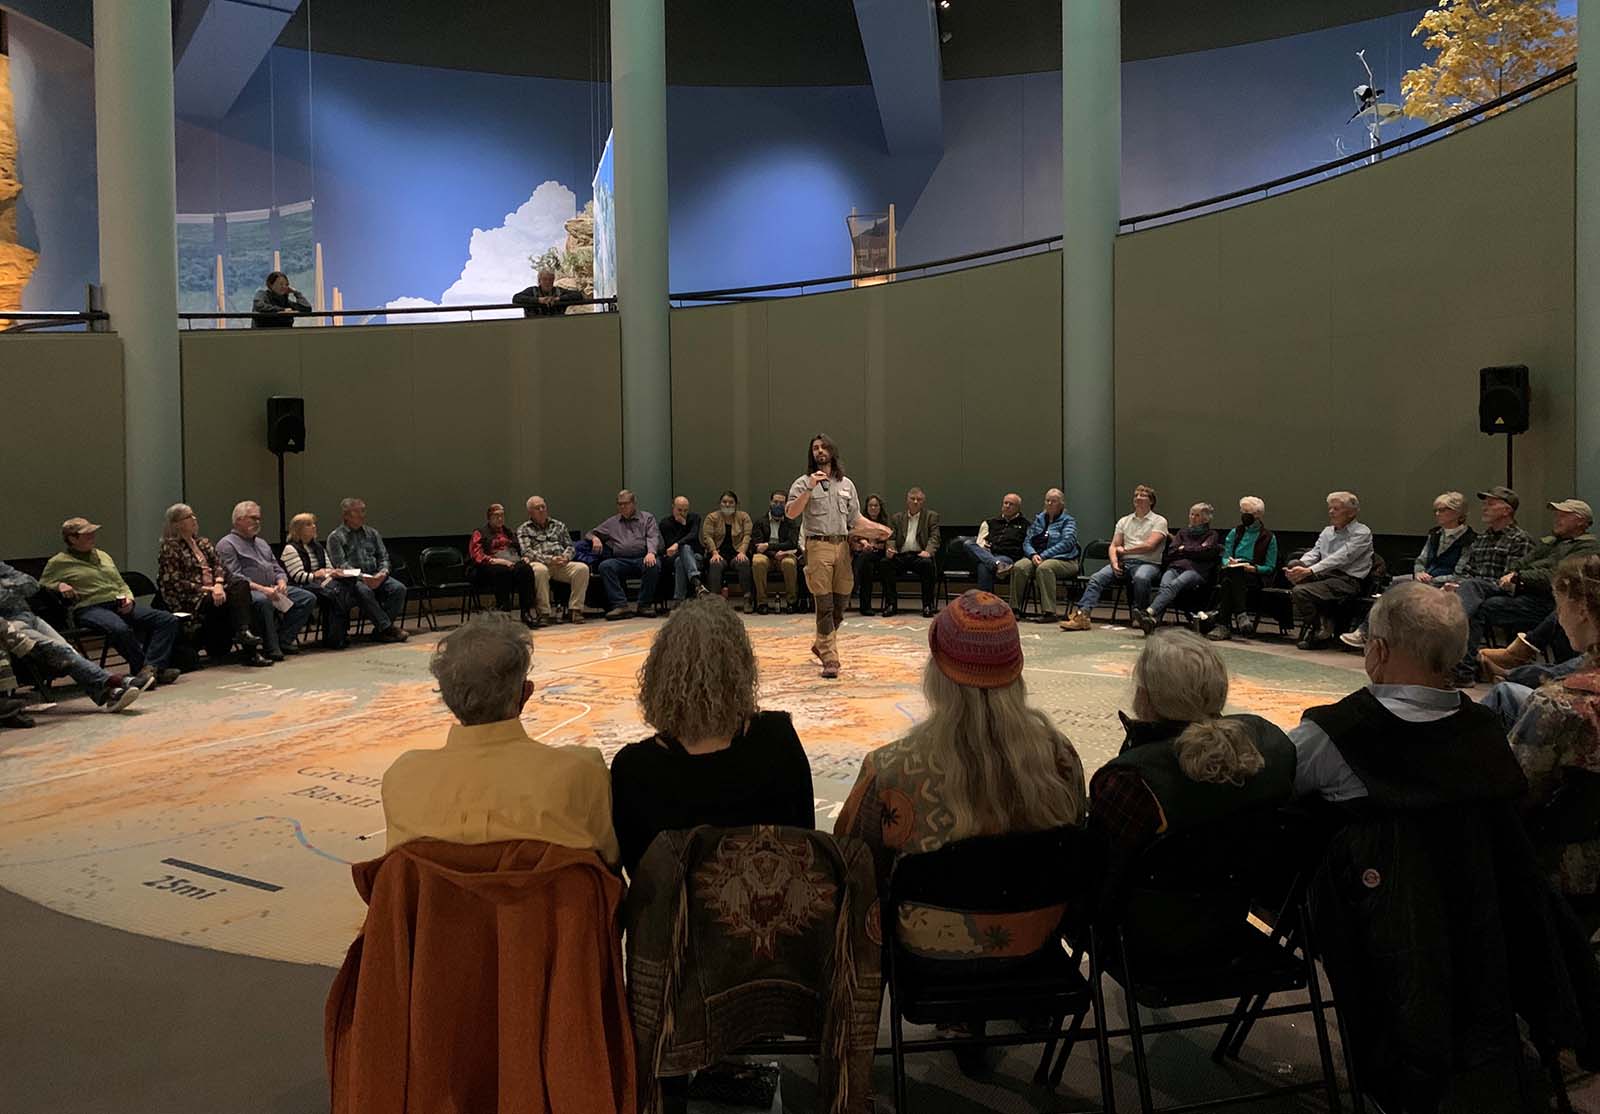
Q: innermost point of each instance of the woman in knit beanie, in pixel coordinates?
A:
(982, 763)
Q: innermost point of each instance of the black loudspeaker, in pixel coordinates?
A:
(286, 424)
(1503, 399)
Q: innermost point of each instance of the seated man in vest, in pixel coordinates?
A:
(355, 545)
(1333, 569)
(913, 543)
(775, 543)
(90, 584)
(34, 642)
(998, 545)
(490, 781)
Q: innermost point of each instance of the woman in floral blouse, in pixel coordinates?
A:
(1557, 741)
(191, 578)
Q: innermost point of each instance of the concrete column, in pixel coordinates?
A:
(139, 262)
(639, 109)
(1091, 179)
(1587, 255)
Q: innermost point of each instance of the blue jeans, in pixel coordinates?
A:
(144, 636)
(613, 569)
(1140, 575)
(56, 656)
(1507, 699)
(379, 605)
(275, 628)
(1489, 605)
(685, 567)
(988, 564)
(1174, 582)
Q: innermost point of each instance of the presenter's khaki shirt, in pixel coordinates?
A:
(829, 512)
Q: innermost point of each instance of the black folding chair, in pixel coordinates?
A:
(444, 573)
(143, 589)
(1046, 875)
(1177, 933)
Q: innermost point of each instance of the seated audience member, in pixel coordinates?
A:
(865, 553)
(1050, 552)
(277, 304)
(190, 577)
(305, 561)
(88, 580)
(1445, 548)
(998, 545)
(911, 549)
(496, 560)
(281, 610)
(680, 549)
(1557, 741)
(1249, 557)
(1136, 548)
(548, 549)
(775, 542)
(1192, 556)
(725, 536)
(715, 757)
(631, 543)
(982, 763)
(1427, 791)
(355, 545)
(1331, 570)
(31, 640)
(544, 298)
(1183, 763)
(490, 781)
(1521, 598)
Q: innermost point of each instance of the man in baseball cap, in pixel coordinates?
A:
(89, 583)
(1502, 493)
(1522, 597)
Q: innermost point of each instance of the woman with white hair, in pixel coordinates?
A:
(190, 577)
(982, 763)
(1183, 763)
(1249, 558)
(1446, 544)
(715, 758)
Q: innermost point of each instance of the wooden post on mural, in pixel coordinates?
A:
(222, 296)
(319, 305)
(338, 304)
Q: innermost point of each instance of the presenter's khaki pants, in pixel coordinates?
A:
(829, 576)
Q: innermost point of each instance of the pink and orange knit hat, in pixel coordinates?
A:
(975, 642)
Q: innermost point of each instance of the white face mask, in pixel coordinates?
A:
(728, 511)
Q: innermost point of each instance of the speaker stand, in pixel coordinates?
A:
(1510, 438)
(283, 518)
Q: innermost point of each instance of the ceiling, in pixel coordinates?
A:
(742, 42)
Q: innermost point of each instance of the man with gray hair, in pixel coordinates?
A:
(1415, 637)
(491, 781)
(278, 608)
(355, 545)
(1331, 570)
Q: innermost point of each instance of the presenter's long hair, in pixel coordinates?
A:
(1001, 760)
(835, 468)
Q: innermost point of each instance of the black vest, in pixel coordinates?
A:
(1459, 759)
(312, 557)
(1187, 803)
(1006, 538)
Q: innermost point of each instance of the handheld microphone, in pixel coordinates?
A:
(824, 485)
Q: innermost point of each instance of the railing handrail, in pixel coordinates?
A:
(246, 315)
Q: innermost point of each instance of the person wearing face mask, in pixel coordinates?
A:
(776, 542)
(1249, 557)
(725, 536)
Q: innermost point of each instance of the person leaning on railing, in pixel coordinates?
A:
(277, 304)
(545, 298)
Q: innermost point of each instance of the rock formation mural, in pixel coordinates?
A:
(16, 261)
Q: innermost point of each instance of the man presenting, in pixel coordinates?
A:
(826, 503)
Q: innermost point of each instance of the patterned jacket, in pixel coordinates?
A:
(179, 578)
(16, 590)
(1493, 553)
(738, 934)
(1559, 730)
(541, 543)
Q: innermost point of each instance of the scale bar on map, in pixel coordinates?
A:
(222, 874)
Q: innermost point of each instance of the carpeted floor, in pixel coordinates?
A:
(223, 814)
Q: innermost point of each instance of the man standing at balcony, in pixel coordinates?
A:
(825, 501)
(277, 303)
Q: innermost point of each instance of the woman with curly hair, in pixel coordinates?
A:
(1557, 743)
(715, 758)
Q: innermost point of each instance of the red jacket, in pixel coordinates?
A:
(487, 979)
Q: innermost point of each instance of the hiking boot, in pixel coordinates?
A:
(1076, 620)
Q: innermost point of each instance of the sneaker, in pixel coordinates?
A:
(117, 699)
(1246, 626)
(1354, 639)
(1077, 620)
(619, 613)
(290, 649)
(168, 676)
(1147, 622)
(701, 591)
(1002, 569)
(144, 680)
(761, 609)
(575, 615)
(927, 612)
(1219, 633)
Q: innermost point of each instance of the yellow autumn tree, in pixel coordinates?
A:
(1485, 49)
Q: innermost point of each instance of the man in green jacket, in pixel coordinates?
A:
(1522, 598)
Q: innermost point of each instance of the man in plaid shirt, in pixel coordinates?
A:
(548, 548)
(1502, 542)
